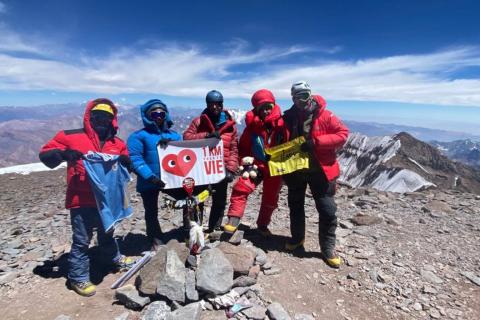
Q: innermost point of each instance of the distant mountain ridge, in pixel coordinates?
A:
(23, 130)
(466, 151)
(413, 164)
(402, 163)
(373, 129)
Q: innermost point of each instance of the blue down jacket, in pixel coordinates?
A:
(142, 146)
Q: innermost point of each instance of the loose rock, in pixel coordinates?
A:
(190, 312)
(214, 273)
(430, 276)
(156, 310)
(244, 281)
(366, 220)
(256, 312)
(172, 282)
(241, 258)
(128, 296)
(276, 312)
(190, 290)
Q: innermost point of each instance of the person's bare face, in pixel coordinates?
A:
(265, 110)
(214, 108)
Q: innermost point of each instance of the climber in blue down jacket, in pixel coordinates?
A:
(142, 147)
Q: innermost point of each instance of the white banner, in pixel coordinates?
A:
(201, 160)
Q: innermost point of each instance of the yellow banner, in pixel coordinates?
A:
(287, 157)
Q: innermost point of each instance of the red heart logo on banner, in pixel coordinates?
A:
(179, 164)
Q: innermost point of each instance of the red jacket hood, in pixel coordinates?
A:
(86, 118)
(259, 98)
(262, 96)
(320, 101)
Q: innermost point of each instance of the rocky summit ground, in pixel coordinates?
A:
(407, 256)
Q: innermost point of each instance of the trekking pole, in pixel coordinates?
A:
(135, 268)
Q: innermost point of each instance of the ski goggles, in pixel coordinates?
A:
(302, 96)
(160, 114)
(101, 118)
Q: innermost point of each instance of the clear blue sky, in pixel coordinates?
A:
(406, 62)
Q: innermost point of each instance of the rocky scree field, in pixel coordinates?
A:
(407, 256)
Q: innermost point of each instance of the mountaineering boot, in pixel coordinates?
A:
(124, 263)
(292, 245)
(231, 225)
(332, 260)
(264, 231)
(83, 288)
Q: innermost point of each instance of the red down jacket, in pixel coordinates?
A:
(271, 130)
(328, 134)
(79, 193)
(201, 126)
(257, 136)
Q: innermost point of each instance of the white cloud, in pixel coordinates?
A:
(3, 8)
(12, 42)
(237, 71)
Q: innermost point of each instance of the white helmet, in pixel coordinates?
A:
(300, 86)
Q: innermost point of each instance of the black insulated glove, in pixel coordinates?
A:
(164, 142)
(229, 176)
(307, 146)
(214, 134)
(159, 183)
(126, 162)
(71, 155)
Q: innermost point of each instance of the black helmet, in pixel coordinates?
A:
(214, 96)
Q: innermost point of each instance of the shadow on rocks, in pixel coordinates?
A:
(58, 268)
(277, 243)
(134, 244)
(271, 243)
(52, 269)
(301, 253)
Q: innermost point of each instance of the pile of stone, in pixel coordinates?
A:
(177, 285)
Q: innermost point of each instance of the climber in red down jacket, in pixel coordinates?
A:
(215, 122)
(324, 134)
(98, 134)
(264, 129)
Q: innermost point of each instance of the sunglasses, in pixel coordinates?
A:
(266, 106)
(302, 96)
(155, 115)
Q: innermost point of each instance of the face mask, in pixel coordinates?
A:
(302, 99)
(102, 131)
(101, 124)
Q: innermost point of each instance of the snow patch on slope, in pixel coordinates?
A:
(402, 181)
(29, 168)
(238, 115)
(419, 165)
(364, 163)
(361, 155)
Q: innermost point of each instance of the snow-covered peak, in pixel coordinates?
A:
(29, 168)
(238, 115)
(363, 161)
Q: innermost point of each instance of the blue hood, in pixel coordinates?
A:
(151, 125)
